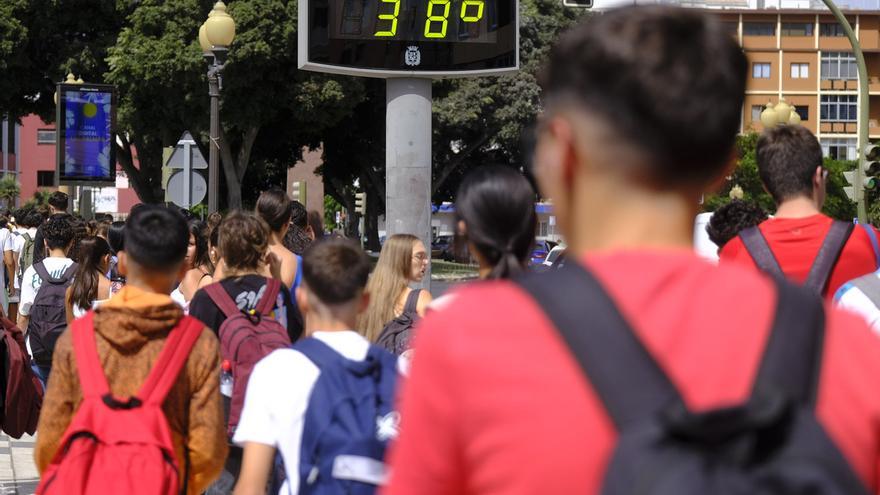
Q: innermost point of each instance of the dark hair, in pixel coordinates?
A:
(58, 200)
(116, 236)
(80, 231)
(243, 241)
(316, 221)
(497, 206)
(156, 237)
(336, 271)
(4, 222)
(84, 289)
(199, 230)
(299, 216)
(103, 218)
(296, 240)
(787, 158)
(33, 218)
(58, 232)
(19, 215)
(273, 206)
(731, 219)
(670, 81)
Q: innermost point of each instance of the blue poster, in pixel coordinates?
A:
(88, 135)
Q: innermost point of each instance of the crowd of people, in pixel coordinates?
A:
(247, 354)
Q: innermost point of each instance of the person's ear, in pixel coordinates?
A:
(122, 263)
(310, 232)
(819, 177)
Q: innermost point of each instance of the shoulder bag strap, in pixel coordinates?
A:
(221, 298)
(318, 352)
(628, 380)
(828, 255)
(870, 287)
(760, 251)
(85, 347)
(171, 360)
(270, 296)
(793, 355)
(412, 302)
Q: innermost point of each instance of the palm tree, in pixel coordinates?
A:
(9, 190)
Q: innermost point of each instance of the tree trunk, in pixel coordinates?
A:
(451, 166)
(143, 178)
(234, 169)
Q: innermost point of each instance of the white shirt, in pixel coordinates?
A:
(278, 394)
(852, 299)
(704, 246)
(31, 282)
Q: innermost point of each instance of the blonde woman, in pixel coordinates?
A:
(403, 261)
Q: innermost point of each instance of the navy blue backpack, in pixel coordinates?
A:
(350, 420)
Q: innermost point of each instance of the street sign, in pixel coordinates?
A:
(177, 192)
(186, 149)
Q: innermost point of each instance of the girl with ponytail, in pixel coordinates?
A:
(495, 215)
(90, 284)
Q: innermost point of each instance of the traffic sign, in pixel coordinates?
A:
(177, 192)
(186, 149)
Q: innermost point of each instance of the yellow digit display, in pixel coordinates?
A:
(393, 18)
(433, 17)
(472, 18)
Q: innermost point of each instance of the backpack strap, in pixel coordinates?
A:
(319, 353)
(828, 255)
(760, 251)
(412, 302)
(793, 355)
(40, 268)
(85, 347)
(171, 360)
(872, 236)
(222, 299)
(270, 295)
(601, 341)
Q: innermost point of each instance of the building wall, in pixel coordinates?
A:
(304, 171)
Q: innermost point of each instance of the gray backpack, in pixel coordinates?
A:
(47, 316)
(396, 335)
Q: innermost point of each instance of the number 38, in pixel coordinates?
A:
(438, 16)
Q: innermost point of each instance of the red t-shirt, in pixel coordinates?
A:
(795, 243)
(496, 404)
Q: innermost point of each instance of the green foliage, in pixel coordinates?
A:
(745, 175)
(9, 190)
(40, 198)
(331, 206)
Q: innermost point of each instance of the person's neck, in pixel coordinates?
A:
(799, 207)
(315, 322)
(613, 215)
(275, 239)
(158, 285)
(57, 253)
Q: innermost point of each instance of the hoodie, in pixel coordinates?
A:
(131, 330)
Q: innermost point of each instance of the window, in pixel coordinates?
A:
(838, 108)
(45, 136)
(542, 229)
(756, 112)
(838, 65)
(761, 70)
(831, 29)
(797, 28)
(803, 112)
(45, 178)
(839, 148)
(759, 29)
(800, 71)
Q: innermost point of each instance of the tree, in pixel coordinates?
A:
(745, 175)
(9, 190)
(158, 66)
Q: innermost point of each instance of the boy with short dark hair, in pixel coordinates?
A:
(277, 409)
(131, 330)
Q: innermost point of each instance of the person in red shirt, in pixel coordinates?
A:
(790, 164)
(642, 106)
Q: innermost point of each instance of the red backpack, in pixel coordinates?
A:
(114, 445)
(245, 338)
(22, 390)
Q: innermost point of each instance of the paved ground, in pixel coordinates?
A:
(18, 474)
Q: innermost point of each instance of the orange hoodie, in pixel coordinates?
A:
(131, 330)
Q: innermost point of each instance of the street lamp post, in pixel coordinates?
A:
(215, 37)
(780, 114)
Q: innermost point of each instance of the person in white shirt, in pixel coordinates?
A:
(862, 296)
(332, 295)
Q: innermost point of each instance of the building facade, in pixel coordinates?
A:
(804, 56)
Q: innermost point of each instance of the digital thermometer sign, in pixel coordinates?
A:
(424, 38)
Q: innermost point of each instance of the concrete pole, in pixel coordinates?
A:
(859, 185)
(408, 160)
(214, 148)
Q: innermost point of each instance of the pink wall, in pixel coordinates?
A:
(34, 157)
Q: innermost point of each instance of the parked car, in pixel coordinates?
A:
(540, 252)
(556, 257)
(443, 248)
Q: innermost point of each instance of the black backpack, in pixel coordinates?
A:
(396, 335)
(772, 444)
(47, 316)
(820, 271)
